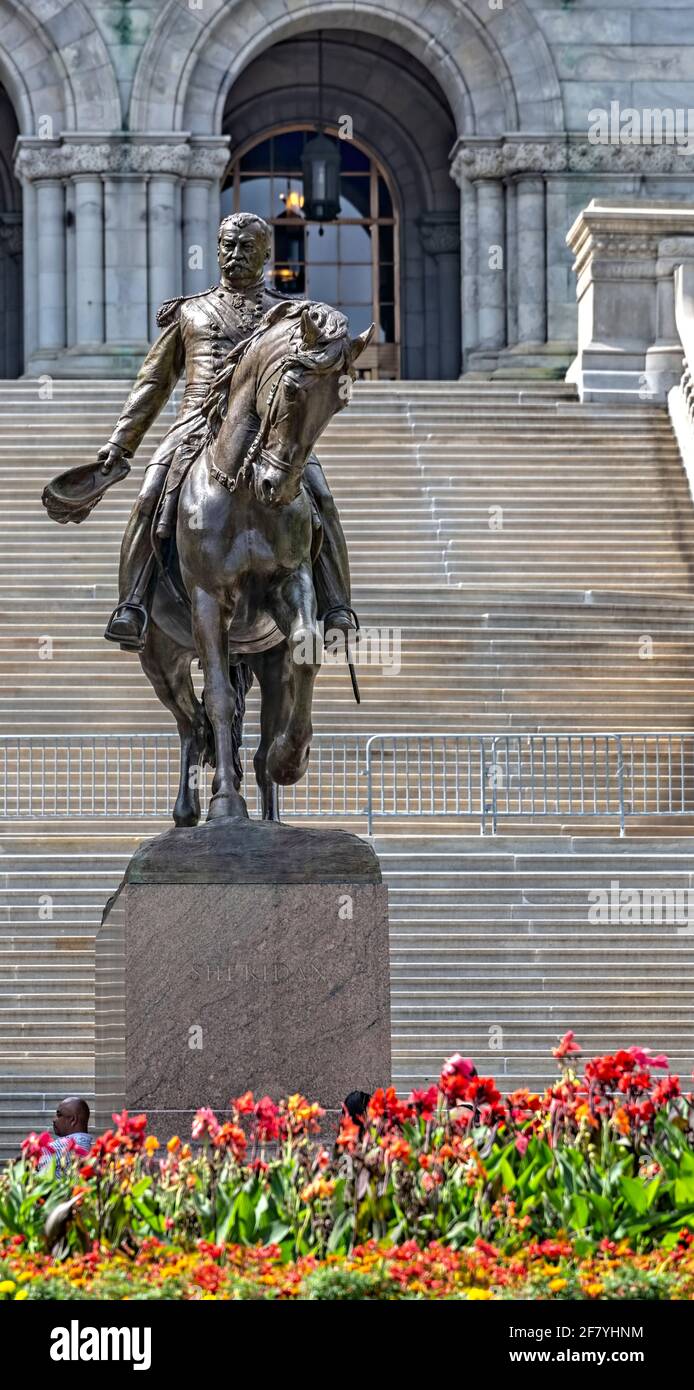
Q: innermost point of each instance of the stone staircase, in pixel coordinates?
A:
(536, 556)
(493, 952)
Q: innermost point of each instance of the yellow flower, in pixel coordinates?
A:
(556, 1285)
(475, 1295)
(173, 1144)
(151, 1144)
(593, 1290)
(21, 1294)
(7, 1286)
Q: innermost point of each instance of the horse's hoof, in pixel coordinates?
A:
(227, 804)
(184, 819)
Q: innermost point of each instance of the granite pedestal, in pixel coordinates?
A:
(242, 955)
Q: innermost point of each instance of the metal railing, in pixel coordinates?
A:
(135, 777)
(494, 777)
(483, 778)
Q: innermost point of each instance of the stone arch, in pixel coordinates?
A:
(57, 66)
(411, 138)
(493, 65)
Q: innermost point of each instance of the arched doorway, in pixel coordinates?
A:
(395, 174)
(351, 262)
(11, 335)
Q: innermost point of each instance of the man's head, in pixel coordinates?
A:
(355, 1105)
(71, 1117)
(244, 245)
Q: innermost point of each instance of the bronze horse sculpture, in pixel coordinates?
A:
(237, 588)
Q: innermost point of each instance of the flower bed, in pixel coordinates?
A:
(540, 1270)
(582, 1191)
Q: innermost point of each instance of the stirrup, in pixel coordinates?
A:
(128, 644)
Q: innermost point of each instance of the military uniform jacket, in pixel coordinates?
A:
(197, 333)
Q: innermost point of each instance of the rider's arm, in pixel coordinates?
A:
(155, 381)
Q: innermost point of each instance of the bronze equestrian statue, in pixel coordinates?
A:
(234, 549)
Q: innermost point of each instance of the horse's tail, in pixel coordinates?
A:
(241, 677)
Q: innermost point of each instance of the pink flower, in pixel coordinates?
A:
(205, 1122)
(567, 1045)
(521, 1143)
(643, 1057)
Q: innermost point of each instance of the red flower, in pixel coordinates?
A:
(232, 1138)
(424, 1102)
(267, 1119)
(455, 1074)
(243, 1105)
(566, 1046)
(36, 1145)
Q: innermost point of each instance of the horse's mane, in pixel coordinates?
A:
(332, 337)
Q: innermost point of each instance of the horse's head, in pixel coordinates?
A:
(298, 393)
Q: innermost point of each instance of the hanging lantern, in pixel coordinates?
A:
(321, 165)
(321, 171)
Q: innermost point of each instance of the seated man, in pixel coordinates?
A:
(197, 333)
(71, 1128)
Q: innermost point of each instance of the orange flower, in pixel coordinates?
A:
(151, 1145)
(620, 1120)
(174, 1144)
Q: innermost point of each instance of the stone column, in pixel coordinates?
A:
(89, 235)
(491, 269)
(439, 234)
(164, 268)
(531, 279)
(512, 256)
(197, 274)
(50, 217)
(125, 245)
(71, 289)
(30, 268)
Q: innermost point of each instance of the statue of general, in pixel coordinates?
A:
(197, 333)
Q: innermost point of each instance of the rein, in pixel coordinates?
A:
(258, 443)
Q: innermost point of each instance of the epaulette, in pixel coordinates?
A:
(167, 312)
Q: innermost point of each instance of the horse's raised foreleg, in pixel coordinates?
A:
(211, 640)
(167, 667)
(273, 669)
(293, 606)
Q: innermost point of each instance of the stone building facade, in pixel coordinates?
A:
(124, 125)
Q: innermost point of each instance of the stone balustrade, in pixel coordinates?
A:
(626, 255)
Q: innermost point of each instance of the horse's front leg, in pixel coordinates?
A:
(273, 670)
(293, 606)
(211, 640)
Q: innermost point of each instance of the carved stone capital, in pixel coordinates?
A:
(534, 156)
(585, 157)
(478, 161)
(71, 156)
(439, 233)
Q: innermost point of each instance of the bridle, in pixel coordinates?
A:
(257, 448)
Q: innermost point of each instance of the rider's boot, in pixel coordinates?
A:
(128, 623)
(331, 565)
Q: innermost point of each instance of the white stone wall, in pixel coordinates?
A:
(120, 110)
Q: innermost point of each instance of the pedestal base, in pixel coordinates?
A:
(242, 955)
